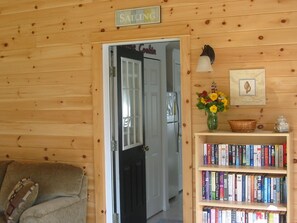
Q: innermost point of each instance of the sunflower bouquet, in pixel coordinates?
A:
(212, 102)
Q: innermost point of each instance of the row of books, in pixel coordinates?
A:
(242, 187)
(274, 155)
(218, 215)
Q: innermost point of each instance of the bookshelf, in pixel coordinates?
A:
(263, 169)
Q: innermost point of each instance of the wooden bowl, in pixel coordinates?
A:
(243, 125)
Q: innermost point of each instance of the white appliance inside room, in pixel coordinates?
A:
(172, 143)
(174, 139)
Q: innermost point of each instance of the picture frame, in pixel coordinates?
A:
(247, 87)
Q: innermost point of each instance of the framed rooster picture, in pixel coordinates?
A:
(247, 87)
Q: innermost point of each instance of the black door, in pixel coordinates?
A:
(131, 140)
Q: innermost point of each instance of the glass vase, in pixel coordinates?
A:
(212, 121)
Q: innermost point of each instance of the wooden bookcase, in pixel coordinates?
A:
(258, 137)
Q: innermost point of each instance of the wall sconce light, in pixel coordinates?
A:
(206, 59)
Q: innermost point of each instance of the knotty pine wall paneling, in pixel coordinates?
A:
(46, 80)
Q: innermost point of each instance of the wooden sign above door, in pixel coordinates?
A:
(138, 16)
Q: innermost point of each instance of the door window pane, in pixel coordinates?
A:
(124, 74)
(131, 103)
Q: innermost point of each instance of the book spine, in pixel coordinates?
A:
(248, 155)
(238, 217)
(234, 151)
(258, 155)
(227, 154)
(285, 189)
(203, 185)
(269, 190)
(278, 179)
(212, 215)
(228, 216)
(269, 155)
(204, 216)
(243, 155)
(282, 190)
(237, 159)
(243, 187)
(259, 188)
(207, 185)
(262, 162)
(223, 217)
(230, 187)
(265, 192)
(248, 188)
(250, 217)
(266, 155)
(271, 217)
(221, 193)
(274, 190)
(281, 155)
(230, 155)
(209, 155)
(205, 154)
(213, 185)
(233, 216)
(240, 154)
(239, 187)
(285, 154)
(252, 155)
(225, 186)
(208, 215)
(213, 154)
(217, 182)
(276, 152)
(215, 158)
(218, 215)
(224, 155)
(252, 188)
(272, 155)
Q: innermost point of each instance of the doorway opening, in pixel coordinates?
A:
(162, 129)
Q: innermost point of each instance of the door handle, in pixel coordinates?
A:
(145, 148)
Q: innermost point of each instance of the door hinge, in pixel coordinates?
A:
(115, 218)
(112, 71)
(114, 145)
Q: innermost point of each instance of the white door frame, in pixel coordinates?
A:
(107, 127)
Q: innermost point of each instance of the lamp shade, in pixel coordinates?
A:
(206, 59)
(204, 64)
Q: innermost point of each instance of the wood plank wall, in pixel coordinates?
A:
(46, 102)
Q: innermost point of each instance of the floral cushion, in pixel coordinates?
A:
(21, 197)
